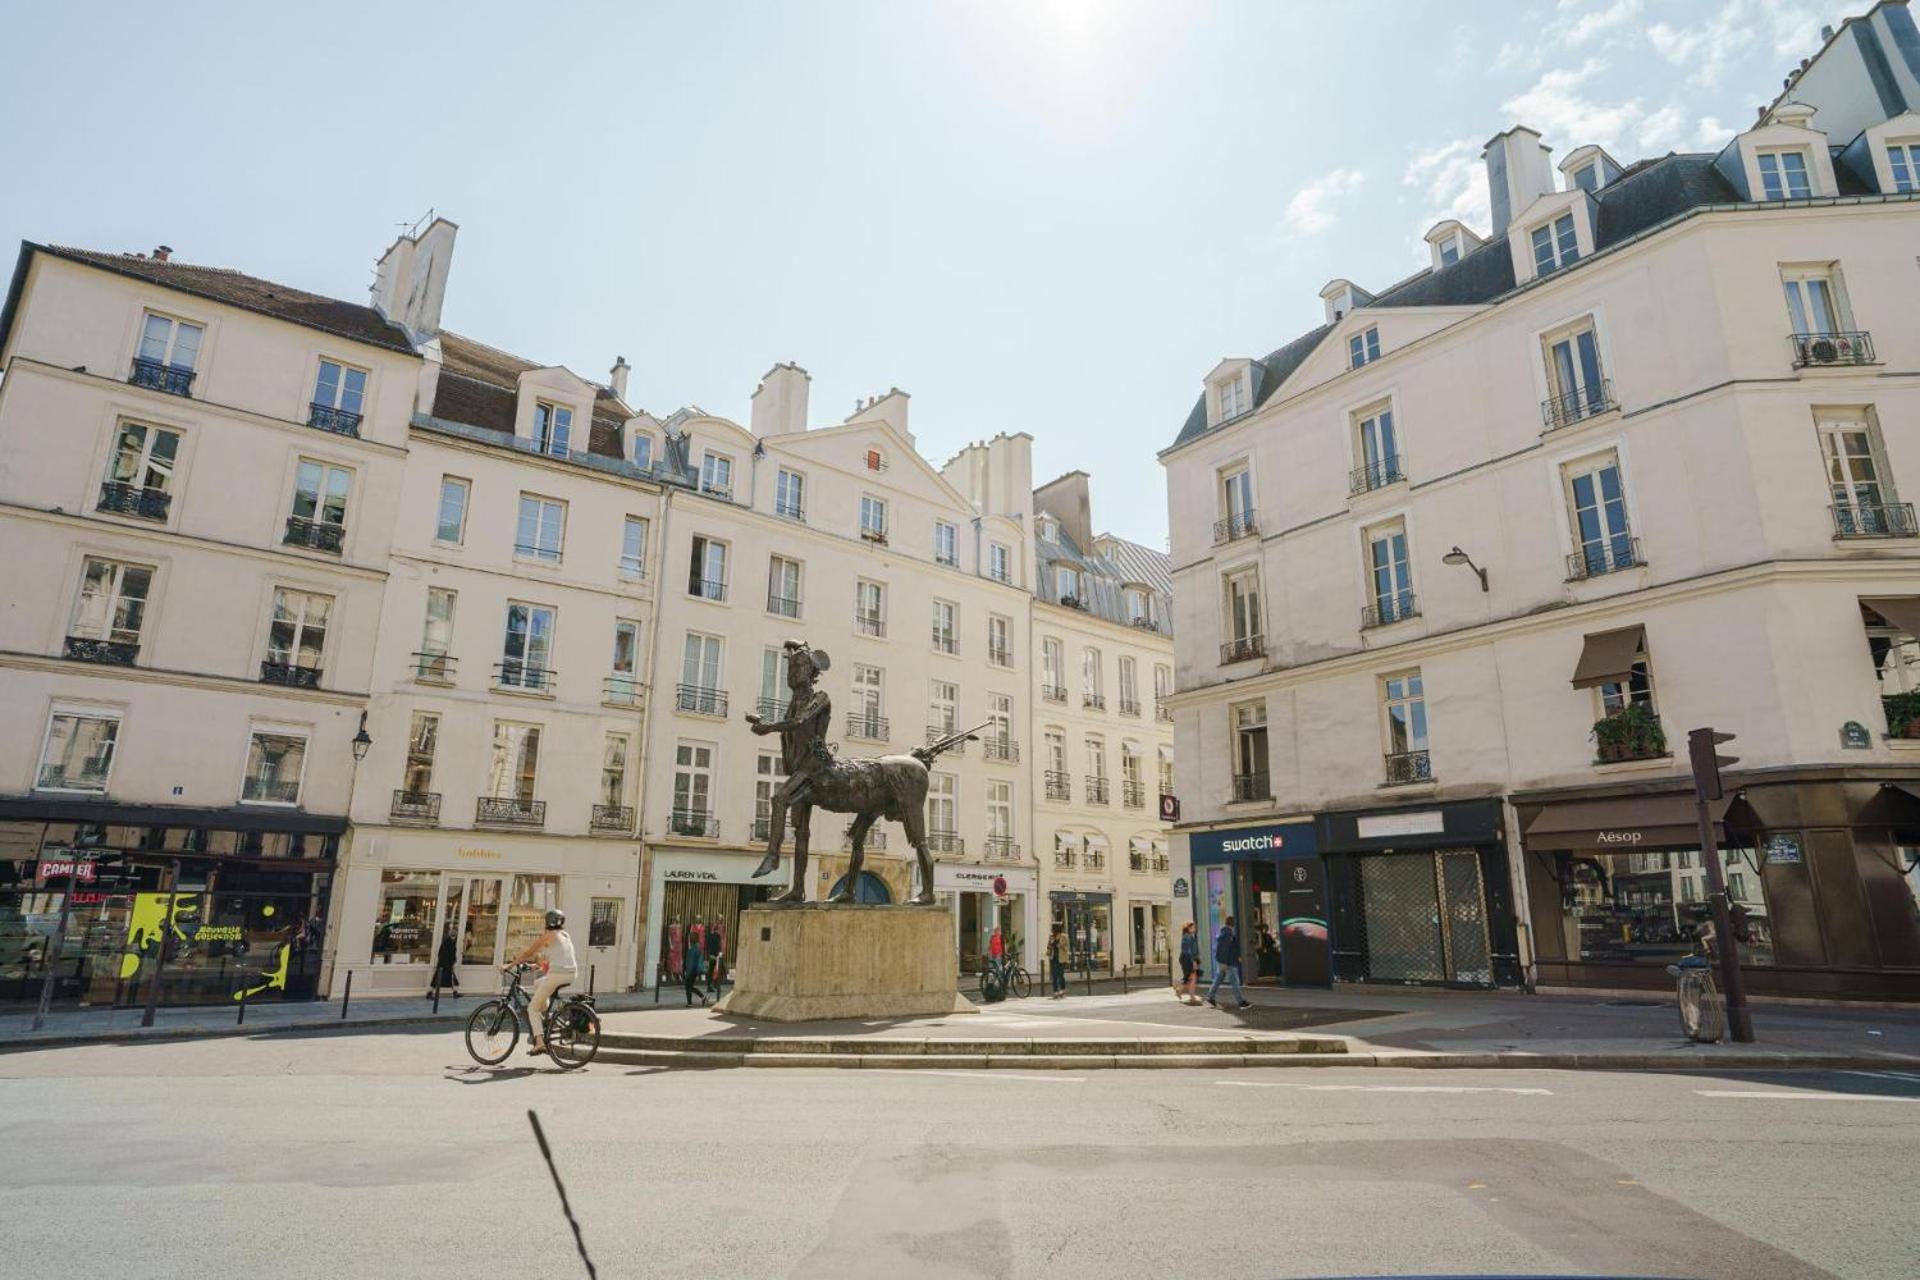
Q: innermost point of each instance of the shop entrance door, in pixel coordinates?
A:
(1425, 917)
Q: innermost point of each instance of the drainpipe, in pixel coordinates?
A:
(642, 936)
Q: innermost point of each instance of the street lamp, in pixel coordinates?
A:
(1455, 556)
(361, 740)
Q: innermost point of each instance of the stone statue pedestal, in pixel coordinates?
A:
(816, 961)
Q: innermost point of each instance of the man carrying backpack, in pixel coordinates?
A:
(1226, 964)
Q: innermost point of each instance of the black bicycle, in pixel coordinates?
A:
(571, 1027)
(1703, 1011)
(1004, 978)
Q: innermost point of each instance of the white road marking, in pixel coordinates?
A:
(1801, 1097)
(977, 1075)
(1905, 1077)
(1385, 1088)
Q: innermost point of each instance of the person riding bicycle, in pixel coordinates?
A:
(560, 968)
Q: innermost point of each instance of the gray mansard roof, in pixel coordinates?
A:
(1106, 574)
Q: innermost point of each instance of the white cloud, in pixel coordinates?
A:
(1311, 210)
(1453, 184)
(1710, 135)
(1558, 107)
(1662, 131)
(1790, 29)
(1599, 22)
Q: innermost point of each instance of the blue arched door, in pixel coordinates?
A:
(871, 889)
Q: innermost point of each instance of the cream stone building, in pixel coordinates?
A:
(1458, 569)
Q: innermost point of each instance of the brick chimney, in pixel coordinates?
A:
(618, 378)
(162, 253)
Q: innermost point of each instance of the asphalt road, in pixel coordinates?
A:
(390, 1155)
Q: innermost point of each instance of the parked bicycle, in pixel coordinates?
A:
(570, 1031)
(1004, 978)
(1703, 1011)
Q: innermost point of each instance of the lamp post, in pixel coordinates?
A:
(1457, 556)
(362, 741)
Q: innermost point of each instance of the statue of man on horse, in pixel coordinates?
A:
(892, 787)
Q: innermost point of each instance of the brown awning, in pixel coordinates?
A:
(1622, 823)
(1902, 611)
(1608, 656)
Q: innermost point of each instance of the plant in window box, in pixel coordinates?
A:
(1903, 714)
(1631, 733)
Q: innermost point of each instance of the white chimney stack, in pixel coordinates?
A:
(410, 282)
(780, 401)
(1519, 171)
(618, 378)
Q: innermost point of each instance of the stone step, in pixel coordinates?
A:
(740, 1046)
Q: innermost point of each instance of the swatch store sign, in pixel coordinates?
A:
(1267, 876)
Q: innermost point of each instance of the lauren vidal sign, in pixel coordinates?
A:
(692, 875)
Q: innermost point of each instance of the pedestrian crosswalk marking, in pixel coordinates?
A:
(1386, 1088)
(1780, 1096)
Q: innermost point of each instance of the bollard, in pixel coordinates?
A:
(589, 979)
(1124, 988)
(436, 997)
(241, 1021)
(346, 997)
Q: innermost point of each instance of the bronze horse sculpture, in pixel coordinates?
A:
(891, 787)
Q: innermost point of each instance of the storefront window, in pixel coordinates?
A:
(1089, 929)
(533, 897)
(603, 926)
(403, 924)
(1645, 907)
(480, 930)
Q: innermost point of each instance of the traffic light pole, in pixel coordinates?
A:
(1701, 747)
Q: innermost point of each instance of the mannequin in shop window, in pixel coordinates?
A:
(676, 957)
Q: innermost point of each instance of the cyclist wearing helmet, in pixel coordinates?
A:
(560, 969)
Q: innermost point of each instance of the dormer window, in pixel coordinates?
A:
(1364, 348)
(716, 475)
(1783, 175)
(1233, 397)
(642, 449)
(1555, 245)
(1449, 251)
(1047, 527)
(1587, 177)
(1903, 162)
(552, 428)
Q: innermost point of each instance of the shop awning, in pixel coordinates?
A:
(1622, 823)
(1902, 611)
(1895, 805)
(1608, 656)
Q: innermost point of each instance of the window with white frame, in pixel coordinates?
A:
(1132, 770)
(1230, 396)
(1597, 505)
(999, 811)
(1895, 654)
(946, 543)
(110, 612)
(423, 743)
(1403, 706)
(1857, 474)
(436, 635)
(1576, 385)
(999, 562)
(767, 779)
(167, 343)
(450, 525)
(319, 515)
(943, 714)
(1166, 771)
(526, 653)
(1056, 744)
(1236, 501)
(1635, 691)
(999, 640)
(1097, 758)
(340, 395)
(613, 771)
(773, 683)
(943, 805)
(692, 786)
(1903, 163)
(297, 632)
(716, 474)
(1555, 245)
(1587, 176)
(1449, 251)
(783, 586)
(1139, 606)
(700, 665)
(1053, 668)
(1244, 626)
(642, 450)
(276, 758)
(790, 495)
(873, 518)
(869, 608)
(623, 682)
(1046, 528)
(140, 471)
(1162, 682)
(77, 752)
(1390, 575)
(1249, 749)
(1783, 174)
(707, 568)
(552, 428)
(869, 701)
(1067, 582)
(513, 768)
(1814, 298)
(946, 627)
(1000, 726)
(1377, 446)
(1363, 348)
(1129, 685)
(541, 528)
(633, 547)
(1091, 684)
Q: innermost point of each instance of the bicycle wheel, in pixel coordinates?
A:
(1019, 985)
(1700, 1012)
(573, 1036)
(492, 1032)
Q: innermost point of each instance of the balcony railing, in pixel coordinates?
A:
(434, 668)
(1242, 649)
(1059, 785)
(693, 822)
(936, 732)
(1000, 657)
(621, 691)
(291, 674)
(1054, 692)
(1409, 766)
(1129, 706)
(947, 558)
(1145, 624)
(1093, 701)
(707, 588)
(1133, 795)
(868, 624)
(945, 842)
(1163, 713)
(871, 728)
(341, 422)
(1071, 601)
(509, 811)
(534, 551)
(1137, 861)
(1387, 610)
(783, 606)
(1063, 858)
(1375, 475)
(1886, 520)
(611, 817)
(517, 673)
(156, 376)
(1578, 405)
(1096, 790)
(1814, 349)
(316, 534)
(131, 500)
(944, 641)
(762, 821)
(112, 653)
(1234, 526)
(1633, 732)
(876, 838)
(1096, 860)
(1596, 558)
(790, 511)
(1251, 786)
(415, 806)
(1002, 849)
(771, 708)
(699, 700)
(874, 535)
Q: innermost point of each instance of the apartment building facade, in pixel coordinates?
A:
(1483, 546)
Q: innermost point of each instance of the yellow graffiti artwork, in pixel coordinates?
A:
(275, 979)
(149, 919)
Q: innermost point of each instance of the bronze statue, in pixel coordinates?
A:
(893, 787)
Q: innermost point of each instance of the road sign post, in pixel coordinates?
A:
(1702, 747)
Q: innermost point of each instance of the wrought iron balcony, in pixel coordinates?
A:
(633, 569)
(1129, 706)
(1059, 786)
(621, 691)
(1234, 526)
(131, 500)
(156, 376)
(724, 492)
(534, 551)
(944, 641)
(1409, 766)
(291, 674)
(772, 708)
(874, 535)
(1610, 556)
(1252, 786)
(1133, 795)
(783, 606)
(1387, 610)
(1000, 747)
(936, 732)
(871, 728)
(1093, 701)
(112, 653)
(1375, 475)
(1002, 849)
(876, 838)
(693, 822)
(707, 588)
(434, 668)
(1159, 862)
(341, 422)
(868, 624)
(1000, 657)
(1063, 857)
(1096, 860)
(1886, 520)
(1096, 789)
(945, 842)
(519, 674)
(1243, 649)
(1145, 624)
(1138, 861)
(1071, 601)
(999, 575)
(762, 822)
(317, 534)
(1578, 405)
(699, 700)
(1054, 692)
(1163, 713)
(790, 511)
(1815, 349)
(611, 817)
(947, 558)
(415, 806)
(509, 811)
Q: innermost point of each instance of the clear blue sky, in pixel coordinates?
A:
(1033, 216)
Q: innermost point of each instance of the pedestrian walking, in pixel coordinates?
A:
(997, 953)
(1188, 988)
(693, 963)
(716, 957)
(1226, 964)
(443, 975)
(1057, 961)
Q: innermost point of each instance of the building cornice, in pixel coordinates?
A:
(173, 537)
(203, 680)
